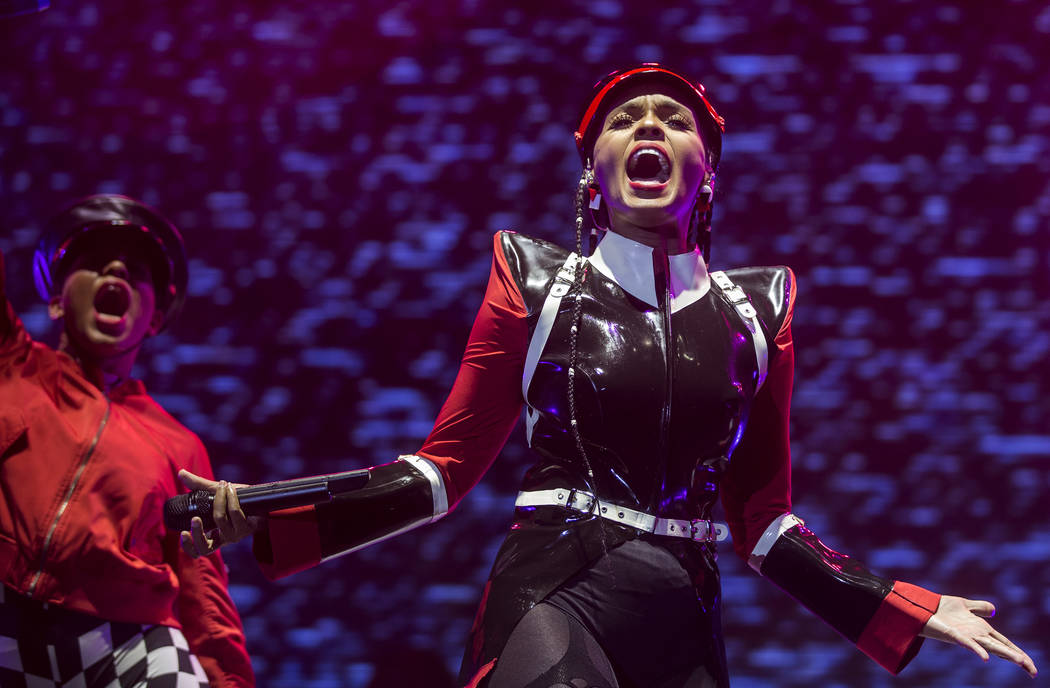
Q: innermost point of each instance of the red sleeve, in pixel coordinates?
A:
(891, 637)
(471, 428)
(757, 485)
(13, 335)
(290, 542)
(485, 400)
(757, 489)
(209, 618)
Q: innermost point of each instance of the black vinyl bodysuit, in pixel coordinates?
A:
(682, 396)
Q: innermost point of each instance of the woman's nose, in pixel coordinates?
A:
(649, 128)
(116, 268)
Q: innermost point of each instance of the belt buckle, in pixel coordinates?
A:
(564, 279)
(694, 527)
(589, 509)
(735, 295)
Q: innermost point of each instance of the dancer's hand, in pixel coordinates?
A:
(230, 520)
(961, 621)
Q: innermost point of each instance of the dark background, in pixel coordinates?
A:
(338, 169)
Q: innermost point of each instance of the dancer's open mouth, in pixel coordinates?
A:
(113, 298)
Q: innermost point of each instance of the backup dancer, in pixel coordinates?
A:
(95, 591)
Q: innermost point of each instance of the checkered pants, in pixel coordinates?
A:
(45, 646)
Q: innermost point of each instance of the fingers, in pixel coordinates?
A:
(1003, 639)
(966, 628)
(196, 543)
(219, 512)
(186, 544)
(1001, 646)
(229, 517)
(997, 643)
(969, 643)
(231, 523)
(1018, 656)
(981, 608)
(201, 541)
(195, 482)
(242, 528)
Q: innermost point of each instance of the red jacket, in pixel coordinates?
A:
(83, 479)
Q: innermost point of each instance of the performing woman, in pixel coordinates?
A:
(652, 387)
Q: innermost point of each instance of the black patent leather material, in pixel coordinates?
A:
(653, 446)
(836, 588)
(397, 496)
(656, 441)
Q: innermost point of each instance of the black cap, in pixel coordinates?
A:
(129, 223)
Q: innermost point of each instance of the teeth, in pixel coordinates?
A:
(649, 164)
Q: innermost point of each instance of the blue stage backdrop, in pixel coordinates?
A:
(338, 169)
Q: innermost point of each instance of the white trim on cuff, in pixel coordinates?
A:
(437, 483)
(773, 531)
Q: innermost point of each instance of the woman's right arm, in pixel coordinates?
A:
(7, 315)
(13, 335)
(469, 433)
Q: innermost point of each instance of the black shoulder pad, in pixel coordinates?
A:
(533, 264)
(770, 290)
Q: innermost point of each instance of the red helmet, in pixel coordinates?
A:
(710, 122)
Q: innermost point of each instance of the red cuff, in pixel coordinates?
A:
(891, 638)
(291, 542)
(482, 673)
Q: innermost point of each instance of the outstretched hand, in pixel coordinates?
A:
(230, 520)
(961, 621)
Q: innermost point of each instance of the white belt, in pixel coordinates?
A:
(697, 529)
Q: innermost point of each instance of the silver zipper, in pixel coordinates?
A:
(65, 502)
(664, 444)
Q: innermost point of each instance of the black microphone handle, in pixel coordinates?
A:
(274, 497)
(259, 500)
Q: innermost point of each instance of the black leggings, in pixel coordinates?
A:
(551, 649)
(631, 620)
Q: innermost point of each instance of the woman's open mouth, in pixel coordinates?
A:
(112, 301)
(649, 165)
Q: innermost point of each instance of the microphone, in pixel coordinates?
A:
(259, 500)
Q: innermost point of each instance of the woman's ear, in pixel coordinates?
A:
(55, 309)
(156, 323)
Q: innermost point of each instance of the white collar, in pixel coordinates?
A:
(630, 265)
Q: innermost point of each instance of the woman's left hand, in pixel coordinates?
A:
(961, 621)
(231, 523)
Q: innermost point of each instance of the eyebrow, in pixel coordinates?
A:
(663, 103)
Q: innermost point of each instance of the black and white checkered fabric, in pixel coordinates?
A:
(43, 646)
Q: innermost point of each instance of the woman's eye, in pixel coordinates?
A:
(621, 120)
(679, 122)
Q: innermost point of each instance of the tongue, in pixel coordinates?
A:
(647, 165)
(112, 299)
